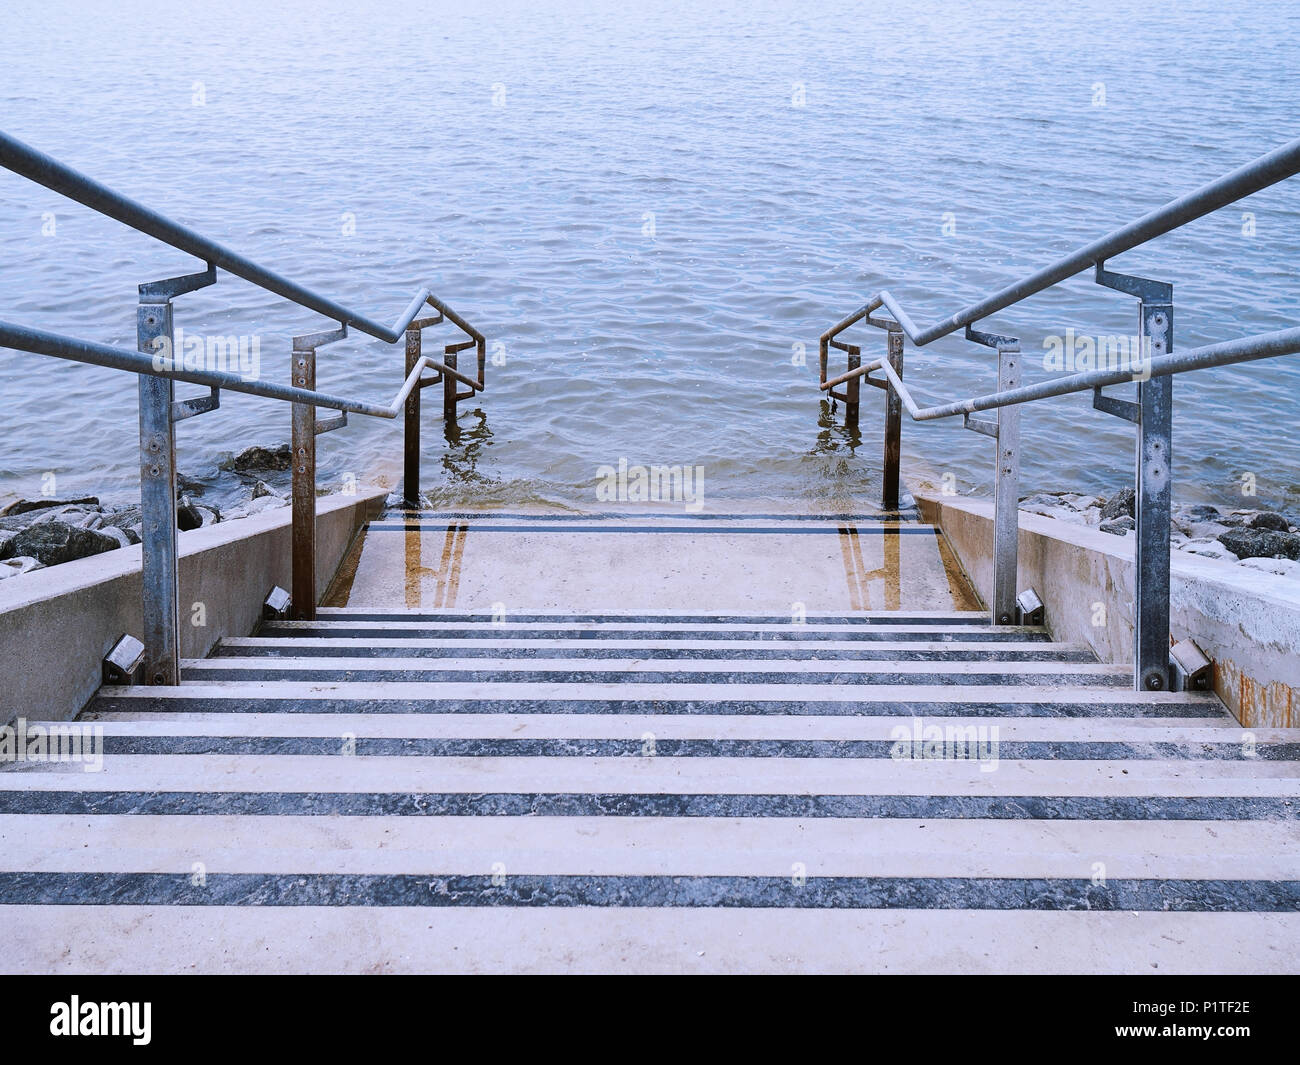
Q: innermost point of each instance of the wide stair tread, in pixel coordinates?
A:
(439, 790)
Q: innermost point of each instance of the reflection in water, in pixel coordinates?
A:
(465, 448)
(859, 580)
(835, 479)
(445, 576)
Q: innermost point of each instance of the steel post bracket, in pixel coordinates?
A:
(1120, 408)
(1153, 415)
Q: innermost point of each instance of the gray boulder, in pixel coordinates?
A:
(54, 542)
(120, 535)
(1266, 519)
(187, 515)
(1261, 543)
(25, 506)
(1118, 505)
(262, 458)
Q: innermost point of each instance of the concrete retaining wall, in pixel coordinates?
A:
(1246, 621)
(57, 624)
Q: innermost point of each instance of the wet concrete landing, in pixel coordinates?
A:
(654, 561)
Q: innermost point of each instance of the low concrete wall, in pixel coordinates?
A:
(1246, 621)
(57, 624)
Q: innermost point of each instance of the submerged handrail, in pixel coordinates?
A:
(36, 166)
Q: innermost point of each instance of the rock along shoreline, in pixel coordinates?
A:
(36, 533)
(1259, 539)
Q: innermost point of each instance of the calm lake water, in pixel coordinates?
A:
(651, 207)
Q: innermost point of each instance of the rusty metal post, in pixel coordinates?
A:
(853, 391)
(411, 462)
(893, 423)
(303, 445)
(449, 388)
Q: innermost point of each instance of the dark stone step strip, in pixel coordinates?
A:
(792, 633)
(364, 701)
(623, 804)
(747, 892)
(403, 513)
(431, 675)
(972, 617)
(457, 747)
(373, 648)
(870, 530)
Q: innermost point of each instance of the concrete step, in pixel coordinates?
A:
(527, 775)
(1188, 731)
(613, 846)
(387, 646)
(663, 560)
(548, 939)
(649, 671)
(642, 791)
(903, 701)
(347, 745)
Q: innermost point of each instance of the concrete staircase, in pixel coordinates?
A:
(441, 790)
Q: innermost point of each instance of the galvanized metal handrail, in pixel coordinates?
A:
(1260, 173)
(1227, 353)
(40, 342)
(36, 166)
(157, 373)
(1152, 413)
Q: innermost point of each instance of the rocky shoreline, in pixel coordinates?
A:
(35, 533)
(1260, 539)
(46, 532)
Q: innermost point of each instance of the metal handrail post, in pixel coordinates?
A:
(159, 554)
(449, 394)
(1153, 487)
(1006, 495)
(303, 446)
(303, 455)
(893, 424)
(1153, 508)
(853, 393)
(411, 427)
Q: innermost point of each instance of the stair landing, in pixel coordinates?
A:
(651, 561)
